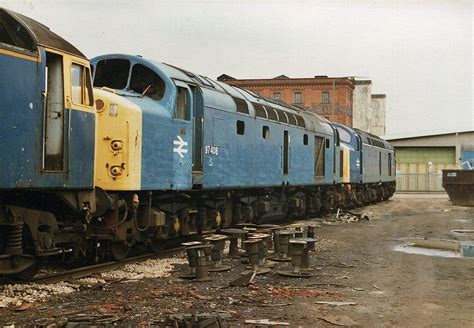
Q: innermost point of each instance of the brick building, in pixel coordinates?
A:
(330, 97)
(339, 99)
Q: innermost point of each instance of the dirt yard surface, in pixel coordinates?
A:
(358, 279)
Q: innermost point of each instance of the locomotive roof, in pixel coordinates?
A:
(372, 139)
(317, 123)
(312, 121)
(42, 35)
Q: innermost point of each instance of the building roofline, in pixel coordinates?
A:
(299, 78)
(424, 135)
(291, 81)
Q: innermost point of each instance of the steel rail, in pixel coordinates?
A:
(101, 267)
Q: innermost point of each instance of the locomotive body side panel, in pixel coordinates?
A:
(166, 146)
(51, 147)
(351, 141)
(356, 159)
(301, 159)
(228, 156)
(378, 163)
(18, 115)
(268, 153)
(80, 124)
(370, 164)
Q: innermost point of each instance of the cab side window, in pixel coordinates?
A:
(81, 86)
(112, 73)
(183, 110)
(146, 82)
(14, 34)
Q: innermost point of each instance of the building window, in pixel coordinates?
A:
(305, 139)
(277, 95)
(240, 127)
(298, 98)
(325, 97)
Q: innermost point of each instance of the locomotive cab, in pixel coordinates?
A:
(47, 131)
(46, 102)
(169, 122)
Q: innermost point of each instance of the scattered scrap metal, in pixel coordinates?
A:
(201, 320)
(347, 216)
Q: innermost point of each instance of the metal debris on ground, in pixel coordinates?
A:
(339, 320)
(347, 216)
(244, 280)
(267, 322)
(291, 292)
(201, 320)
(335, 303)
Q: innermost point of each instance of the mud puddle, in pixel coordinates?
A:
(463, 232)
(412, 249)
(463, 220)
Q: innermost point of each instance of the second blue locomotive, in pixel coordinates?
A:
(234, 153)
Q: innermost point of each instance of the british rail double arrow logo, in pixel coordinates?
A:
(181, 149)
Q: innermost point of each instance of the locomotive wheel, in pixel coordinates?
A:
(32, 263)
(119, 250)
(28, 274)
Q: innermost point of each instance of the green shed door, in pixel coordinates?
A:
(423, 155)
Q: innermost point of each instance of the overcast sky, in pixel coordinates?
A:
(418, 53)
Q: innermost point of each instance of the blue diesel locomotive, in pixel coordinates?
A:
(146, 151)
(47, 144)
(212, 155)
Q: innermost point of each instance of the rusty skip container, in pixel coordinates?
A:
(459, 184)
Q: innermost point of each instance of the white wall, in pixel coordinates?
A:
(377, 120)
(361, 106)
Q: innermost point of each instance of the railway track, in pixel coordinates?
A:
(101, 267)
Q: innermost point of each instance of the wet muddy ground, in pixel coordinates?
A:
(358, 279)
